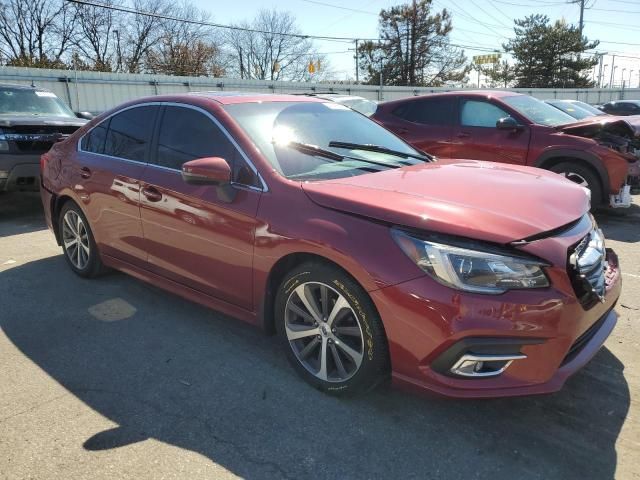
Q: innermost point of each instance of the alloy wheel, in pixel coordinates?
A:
(324, 332)
(75, 239)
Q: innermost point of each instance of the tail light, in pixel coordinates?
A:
(44, 159)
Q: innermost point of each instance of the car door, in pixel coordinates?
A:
(425, 123)
(111, 161)
(629, 108)
(191, 235)
(476, 136)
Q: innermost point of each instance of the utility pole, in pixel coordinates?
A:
(613, 69)
(581, 16)
(357, 68)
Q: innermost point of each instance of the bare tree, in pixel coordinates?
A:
(186, 48)
(262, 50)
(142, 33)
(36, 32)
(97, 35)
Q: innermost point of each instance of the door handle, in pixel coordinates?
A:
(463, 135)
(152, 194)
(85, 172)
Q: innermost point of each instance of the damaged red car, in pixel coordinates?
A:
(600, 153)
(369, 259)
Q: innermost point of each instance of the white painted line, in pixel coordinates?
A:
(631, 275)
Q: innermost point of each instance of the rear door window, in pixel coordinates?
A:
(428, 111)
(129, 133)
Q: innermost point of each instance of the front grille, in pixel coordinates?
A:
(587, 269)
(34, 147)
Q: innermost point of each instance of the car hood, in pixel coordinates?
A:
(591, 126)
(479, 200)
(8, 121)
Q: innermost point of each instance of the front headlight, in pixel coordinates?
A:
(472, 270)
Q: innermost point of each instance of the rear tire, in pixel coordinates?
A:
(330, 329)
(78, 244)
(584, 176)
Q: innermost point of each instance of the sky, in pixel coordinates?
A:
(479, 25)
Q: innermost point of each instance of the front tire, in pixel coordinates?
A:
(78, 244)
(330, 329)
(583, 176)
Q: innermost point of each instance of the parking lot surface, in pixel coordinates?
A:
(113, 378)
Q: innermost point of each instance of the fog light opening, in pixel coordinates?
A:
(478, 365)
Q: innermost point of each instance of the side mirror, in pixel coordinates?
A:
(85, 115)
(210, 171)
(508, 123)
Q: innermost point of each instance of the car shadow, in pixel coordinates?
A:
(20, 212)
(164, 368)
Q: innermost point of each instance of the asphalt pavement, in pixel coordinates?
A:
(114, 378)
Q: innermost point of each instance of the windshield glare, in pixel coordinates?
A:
(537, 111)
(273, 125)
(22, 101)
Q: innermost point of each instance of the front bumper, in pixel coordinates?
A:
(424, 319)
(22, 172)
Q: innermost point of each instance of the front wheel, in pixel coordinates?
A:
(331, 331)
(584, 177)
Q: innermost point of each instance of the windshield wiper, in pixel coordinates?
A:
(336, 157)
(368, 147)
(315, 151)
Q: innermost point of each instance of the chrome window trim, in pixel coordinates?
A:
(265, 187)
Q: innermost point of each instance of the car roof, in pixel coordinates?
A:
(22, 87)
(230, 98)
(453, 93)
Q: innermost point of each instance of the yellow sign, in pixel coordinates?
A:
(484, 59)
(312, 67)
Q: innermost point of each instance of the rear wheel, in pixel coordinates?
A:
(78, 244)
(583, 176)
(331, 330)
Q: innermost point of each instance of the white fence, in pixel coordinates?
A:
(97, 91)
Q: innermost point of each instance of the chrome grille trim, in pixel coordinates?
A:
(588, 261)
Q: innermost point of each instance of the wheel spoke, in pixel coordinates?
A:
(355, 356)
(351, 331)
(309, 302)
(85, 248)
(338, 361)
(79, 261)
(296, 332)
(306, 351)
(339, 305)
(324, 301)
(70, 243)
(297, 310)
(78, 224)
(322, 373)
(70, 225)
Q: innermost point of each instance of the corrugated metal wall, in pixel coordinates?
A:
(96, 91)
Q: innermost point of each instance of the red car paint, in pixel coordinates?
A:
(534, 145)
(149, 223)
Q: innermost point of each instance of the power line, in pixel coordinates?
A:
(133, 11)
(339, 7)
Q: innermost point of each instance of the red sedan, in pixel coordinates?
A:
(367, 257)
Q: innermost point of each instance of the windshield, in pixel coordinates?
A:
(284, 131)
(589, 108)
(362, 105)
(23, 101)
(572, 109)
(537, 111)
